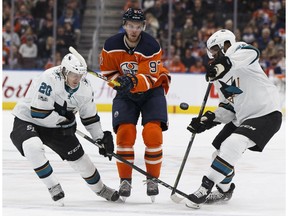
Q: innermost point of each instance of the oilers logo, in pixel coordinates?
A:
(129, 67)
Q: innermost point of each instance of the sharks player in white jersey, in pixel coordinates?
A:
(46, 116)
(249, 106)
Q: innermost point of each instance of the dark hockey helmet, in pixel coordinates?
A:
(133, 15)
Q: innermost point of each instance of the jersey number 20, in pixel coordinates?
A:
(45, 89)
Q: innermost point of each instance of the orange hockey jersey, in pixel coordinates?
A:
(144, 61)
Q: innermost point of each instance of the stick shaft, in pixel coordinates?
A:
(191, 140)
(83, 62)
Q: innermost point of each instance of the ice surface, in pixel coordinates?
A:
(260, 178)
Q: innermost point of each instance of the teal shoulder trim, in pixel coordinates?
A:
(252, 48)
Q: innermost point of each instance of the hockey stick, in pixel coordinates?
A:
(82, 60)
(133, 166)
(173, 196)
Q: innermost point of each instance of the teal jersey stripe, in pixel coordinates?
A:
(252, 48)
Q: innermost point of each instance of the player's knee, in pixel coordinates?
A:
(83, 165)
(152, 134)
(214, 155)
(33, 147)
(233, 148)
(126, 135)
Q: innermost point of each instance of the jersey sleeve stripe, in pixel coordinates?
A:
(249, 47)
(90, 120)
(146, 81)
(40, 113)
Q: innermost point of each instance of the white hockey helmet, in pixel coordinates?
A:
(71, 64)
(219, 38)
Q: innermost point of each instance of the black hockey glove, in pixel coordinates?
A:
(218, 68)
(61, 110)
(68, 127)
(127, 82)
(198, 125)
(107, 145)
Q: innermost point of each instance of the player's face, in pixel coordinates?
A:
(73, 79)
(215, 52)
(133, 30)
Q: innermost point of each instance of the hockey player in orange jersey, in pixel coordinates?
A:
(133, 58)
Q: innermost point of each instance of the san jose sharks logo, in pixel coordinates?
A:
(230, 89)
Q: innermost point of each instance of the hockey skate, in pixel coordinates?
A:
(125, 189)
(152, 189)
(57, 194)
(199, 197)
(108, 194)
(219, 195)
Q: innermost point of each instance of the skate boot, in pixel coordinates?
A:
(199, 197)
(108, 194)
(219, 195)
(152, 189)
(57, 194)
(125, 189)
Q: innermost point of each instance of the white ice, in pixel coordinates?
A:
(260, 178)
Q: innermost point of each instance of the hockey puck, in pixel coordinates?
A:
(184, 106)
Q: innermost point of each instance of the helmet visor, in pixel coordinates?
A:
(212, 52)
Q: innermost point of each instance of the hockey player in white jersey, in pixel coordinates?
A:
(46, 116)
(249, 106)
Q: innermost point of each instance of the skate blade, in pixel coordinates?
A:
(123, 198)
(120, 200)
(216, 202)
(59, 202)
(193, 205)
(152, 198)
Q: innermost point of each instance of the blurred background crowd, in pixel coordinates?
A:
(260, 23)
(32, 37)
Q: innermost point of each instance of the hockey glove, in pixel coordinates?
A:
(68, 127)
(61, 110)
(198, 125)
(127, 82)
(107, 145)
(218, 68)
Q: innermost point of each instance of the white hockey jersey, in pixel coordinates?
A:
(245, 87)
(49, 88)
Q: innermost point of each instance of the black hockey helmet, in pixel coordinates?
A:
(134, 15)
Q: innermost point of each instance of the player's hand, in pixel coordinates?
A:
(68, 127)
(61, 110)
(198, 125)
(218, 68)
(107, 145)
(127, 82)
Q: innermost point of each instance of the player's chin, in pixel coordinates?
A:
(74, 85)
(133, 38)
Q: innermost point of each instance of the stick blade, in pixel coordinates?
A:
(72, 50)
(176, 199)
(77, 55)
